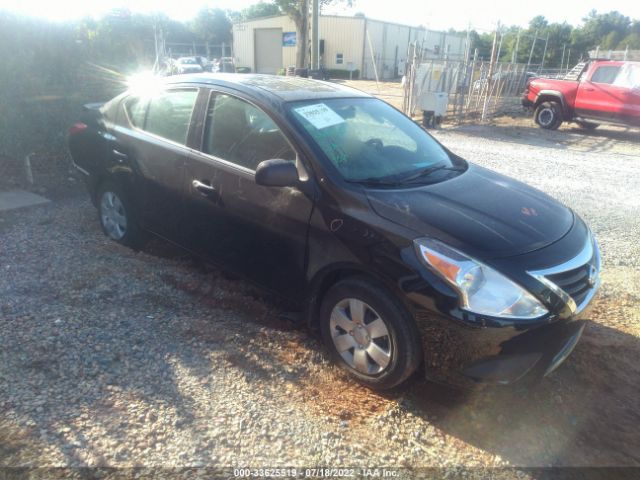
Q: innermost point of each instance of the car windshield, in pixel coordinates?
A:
(367, 140)
(188, 61)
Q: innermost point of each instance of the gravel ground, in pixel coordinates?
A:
(115, 358)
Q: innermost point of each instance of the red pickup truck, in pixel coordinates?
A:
(594, 92)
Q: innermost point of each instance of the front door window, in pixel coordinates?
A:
(240, 133)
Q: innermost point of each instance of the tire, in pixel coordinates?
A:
(380, 348)
(549, 115)
(117, 216)
(588, 125)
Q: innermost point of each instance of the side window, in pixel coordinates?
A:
(240, 133)
(629, 76)
(136, 109)
(169, 114)
(605, 74)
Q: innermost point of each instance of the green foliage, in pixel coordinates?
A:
(610, 31)
(212, 25)
(257, 10)
(49, 70)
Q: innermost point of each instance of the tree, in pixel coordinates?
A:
(258, 10)
(212, 25)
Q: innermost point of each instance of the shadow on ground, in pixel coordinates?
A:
(584, 414)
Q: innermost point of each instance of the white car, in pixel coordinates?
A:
(188, 65)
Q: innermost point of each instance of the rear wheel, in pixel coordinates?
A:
(117, 217)
(549, 115)
(369, 333)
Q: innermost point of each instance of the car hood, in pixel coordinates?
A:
(480, 212)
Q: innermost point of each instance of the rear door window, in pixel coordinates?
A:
(169, 114)
(136, 109)
(241, 133)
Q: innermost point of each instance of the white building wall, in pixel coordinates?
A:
(244, 38)
(343, 35)
(348, 35)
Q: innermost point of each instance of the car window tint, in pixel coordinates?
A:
(136, 109)
(169, 114)
(605, 74)
(238, 132)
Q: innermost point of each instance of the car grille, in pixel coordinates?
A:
(575, 282)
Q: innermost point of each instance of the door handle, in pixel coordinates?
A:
(203, 188)
(120, 156)
(589, 89)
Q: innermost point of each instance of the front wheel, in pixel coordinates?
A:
(369, 333)
(549, 115)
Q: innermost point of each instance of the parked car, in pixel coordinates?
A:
(188, 65)
(604, 91)
(205, 63)
(224, 65)
(399, 252)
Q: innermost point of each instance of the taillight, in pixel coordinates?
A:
(77, 128)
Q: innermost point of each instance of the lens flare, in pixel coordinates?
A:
(144, 83)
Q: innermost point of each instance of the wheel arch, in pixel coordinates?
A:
(553, 96)
(332, 274)
(122, 177)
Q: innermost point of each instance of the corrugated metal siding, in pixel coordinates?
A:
(343, 35)
(389, 42)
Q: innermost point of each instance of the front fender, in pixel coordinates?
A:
(547, 95)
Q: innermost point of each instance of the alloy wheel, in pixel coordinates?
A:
(113, 215)
(360, 336)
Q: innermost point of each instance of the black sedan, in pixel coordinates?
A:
(399, 252)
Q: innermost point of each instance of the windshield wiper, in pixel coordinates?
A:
(376, 181)
(388, 182)
(428, 171)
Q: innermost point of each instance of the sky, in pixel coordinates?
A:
(458, 14)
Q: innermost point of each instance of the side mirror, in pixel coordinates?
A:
(277, 173)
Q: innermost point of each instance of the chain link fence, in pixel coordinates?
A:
(474, 89)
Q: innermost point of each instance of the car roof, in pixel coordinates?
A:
(275, 87)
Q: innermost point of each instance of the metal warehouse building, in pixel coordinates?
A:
(268, 44)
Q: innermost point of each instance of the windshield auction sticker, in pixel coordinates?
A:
(319, 115)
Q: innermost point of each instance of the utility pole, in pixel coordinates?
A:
(564, 45)
(545, 51)
(533, 45)
(490, 73)
(315, 32)
(514, 58)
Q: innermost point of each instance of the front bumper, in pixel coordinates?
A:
(526, 103)
(466, 349)
(462, 355)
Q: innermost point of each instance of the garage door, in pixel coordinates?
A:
(268, 50)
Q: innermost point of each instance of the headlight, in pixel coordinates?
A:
(482, 289)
